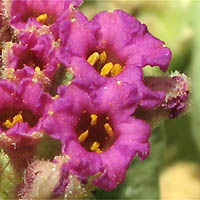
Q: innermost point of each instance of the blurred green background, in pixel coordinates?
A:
(173, 169)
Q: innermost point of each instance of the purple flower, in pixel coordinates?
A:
(108, 45)
(25, 13)
(130, 40)
(22, 107)
(98, 132)
(33, 57)
(21, 116)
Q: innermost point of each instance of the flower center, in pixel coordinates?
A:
(103, 66)
(10, 117)
(95, 132)
(30, 58)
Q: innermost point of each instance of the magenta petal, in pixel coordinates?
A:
(33, 96)
(133, 139)
(20, 129)
(84, 71)
(130, 40)
(81, 35)
(148, 50)
(6, 89)
(65, 111)
(117, 28)
(134, 76)
(117, 96)
(83, 164)
(74, 98)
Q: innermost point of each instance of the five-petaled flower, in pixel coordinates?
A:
(108, 45)
(33, 57)
(22, 107)
(98, 130)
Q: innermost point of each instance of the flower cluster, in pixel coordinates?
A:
(81, 82)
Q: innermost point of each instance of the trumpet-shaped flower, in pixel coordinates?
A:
(98, 132)
(22, 107)
(35, 54)
(108, 45)
(25, 13)
(21, 115)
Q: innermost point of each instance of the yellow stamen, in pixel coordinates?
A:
(95, 147)
(50, 112)
(117, 68)
(108, 129)
(103, 57)
(106, 69)
(93, 119)
(16, 119)
(37, 69)
(42, 18)
(83, 136)
(93, 58)
(56, 96)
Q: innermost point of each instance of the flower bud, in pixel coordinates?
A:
(50, 180)
(177, 88)
(19, 149)
(40, 179)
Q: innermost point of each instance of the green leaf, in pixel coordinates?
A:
(8, 179)
(180, 141)
(142, 180)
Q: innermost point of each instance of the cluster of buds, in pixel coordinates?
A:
(80, 82)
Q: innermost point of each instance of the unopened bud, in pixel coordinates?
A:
(20, 149)
(41, 178)
(177, 88)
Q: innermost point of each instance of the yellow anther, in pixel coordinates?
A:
(108, 129)
(8, 124)
(117, 69)
(37, 69)
(93, 119)
(16, 119)
(95, 147)
(83, 136)
(103, 57)
(42, 18)
(93, 58)
(106, 69)
(56, 96)
(50, 112)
